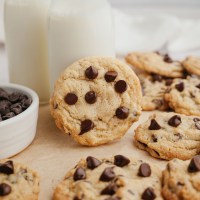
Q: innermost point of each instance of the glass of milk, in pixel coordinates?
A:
(27, 44)
(78, 28)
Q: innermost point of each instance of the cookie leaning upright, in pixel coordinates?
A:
(155, 63)
(18, 182)
(181, 180)
(116, 178)
(192, 65)
(96, 100)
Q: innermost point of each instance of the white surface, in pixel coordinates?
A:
(26, 43)
(78, 29)
(18, 132)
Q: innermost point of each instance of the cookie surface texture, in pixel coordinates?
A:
(96, 100)
(155, 63)
(192, 65)
(110, 179)
(18, 182)
(181, 180)
(169, 135)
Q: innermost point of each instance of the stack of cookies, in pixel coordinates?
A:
(173, 86)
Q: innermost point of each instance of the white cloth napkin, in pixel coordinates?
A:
(155, 32)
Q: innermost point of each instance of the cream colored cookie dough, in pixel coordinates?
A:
(155, 63)
(192, 65)
(153, 92)
(169, 135)
(117, 178)
(184, 96)
(96, 100)
(18, 182)
(181, 180)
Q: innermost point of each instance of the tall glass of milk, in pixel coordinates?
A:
(78, 28)
(27, 44)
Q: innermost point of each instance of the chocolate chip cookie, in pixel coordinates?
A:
(117, 178)
(18, 182)
(169, 135)
(155, 63)
(184, 96)
(153, 89)
(96, 100)
(181, 180)
(192, 65)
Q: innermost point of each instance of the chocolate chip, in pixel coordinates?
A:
(79, 174)
(76, 198)
(154, 138)
(194, 165)
(197, 125)
(91, 72)
(91, 97)
(26, 103)
(7, 167)
(110, 189)
(157, 77)
(175, 121)
(107, 175)
(16, 108)
(3, 94)
(149, 194)
(1, 118)
(4, 107)
(5, 189)
(14, 97)
(144, 170)
(167, 59)
(198, 86)
(180, 86)
(178, 135)
(120, 86)
(92, 162)
(71, 99)
(168, 81)
(113, 198)
(158, 103)
(110, 76)
(196, 119)
(122, 112)
(121, 161)
(154, 125)
(86, 126)
(8, 115)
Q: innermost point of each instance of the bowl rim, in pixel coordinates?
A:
(31, 108)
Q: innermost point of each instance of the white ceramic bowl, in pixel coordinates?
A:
(18, 132)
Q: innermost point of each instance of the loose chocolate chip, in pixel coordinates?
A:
(3, 95)
(175, 121)
(1, 118)
(168, 81)
(196, 119)
(79, 174)
(157, 77)
(110, 76)
(197, 125)
(92, 162)
(71, 99)
(154, 125)
(4, 107)
(91, 72)
(149, 194)
(91, 97)
(121, 161)
(198, 86)
(5, 189)
(107, 175)
(7, 167)
(120, 86)
(122, 112)
(144, 170)
(180, 86)
(167, 59)
(194, 165)
(16, 108)
(110, 189)
(86, 126)
(8, 115)
(26, 103)
(14, 97)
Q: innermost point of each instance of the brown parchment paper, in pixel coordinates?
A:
(52, 153)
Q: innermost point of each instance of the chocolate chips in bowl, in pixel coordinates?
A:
(12, 103)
